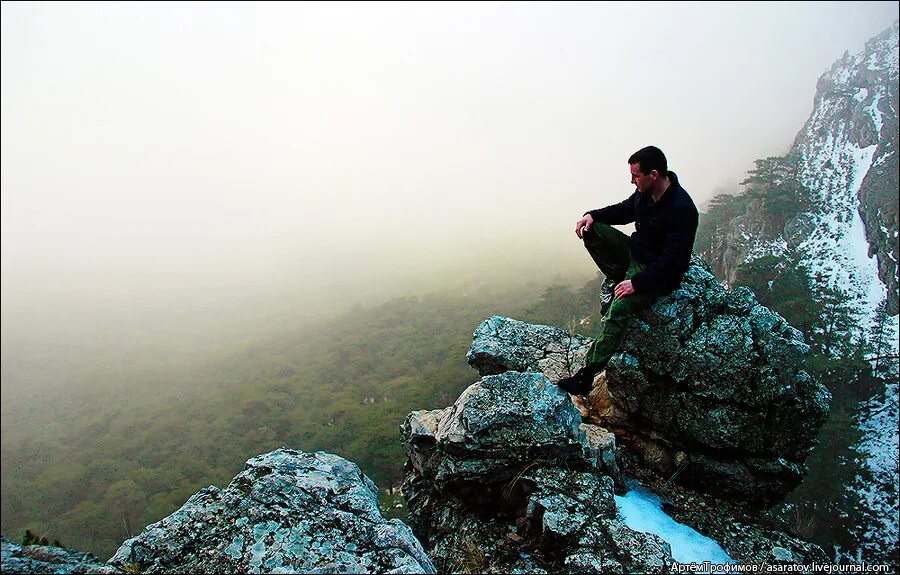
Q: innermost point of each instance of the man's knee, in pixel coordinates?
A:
(598, 233)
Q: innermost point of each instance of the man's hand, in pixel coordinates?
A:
(583, 225)
(624, 289)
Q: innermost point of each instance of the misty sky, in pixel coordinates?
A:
(236, 144)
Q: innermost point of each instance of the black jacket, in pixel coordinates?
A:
(663, 237)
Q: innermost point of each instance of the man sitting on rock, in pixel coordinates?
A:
(643, 267)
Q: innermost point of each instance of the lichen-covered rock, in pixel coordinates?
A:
(498, 425)
(602, 449)
(708, 386)
(502, 421)
(288, 511)
(48, 559)
(508, 479)
(503, 344)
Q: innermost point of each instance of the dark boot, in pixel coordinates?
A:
(580, 383)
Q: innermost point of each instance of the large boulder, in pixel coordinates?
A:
(708, 387)
(509, 479)
(287, 512)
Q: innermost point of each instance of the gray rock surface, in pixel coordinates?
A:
(48, 559)
(288, 511)
(502, 344)
(708, 386)
(509, 479)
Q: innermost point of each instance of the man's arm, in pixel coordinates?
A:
(616, 214)
(675, 257)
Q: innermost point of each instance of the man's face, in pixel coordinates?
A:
(643, 182)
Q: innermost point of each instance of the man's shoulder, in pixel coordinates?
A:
(681, 199)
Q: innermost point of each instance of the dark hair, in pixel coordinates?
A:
(649, 159)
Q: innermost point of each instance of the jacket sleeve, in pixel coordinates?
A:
(667, 270)
(616, 214)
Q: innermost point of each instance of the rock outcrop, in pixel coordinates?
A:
(287, 512)
(708, 387)
(508, 479)
(48, 559)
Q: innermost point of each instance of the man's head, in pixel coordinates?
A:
(648, 168)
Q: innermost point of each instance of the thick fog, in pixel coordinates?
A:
(167, 162)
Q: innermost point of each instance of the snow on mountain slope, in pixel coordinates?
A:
(847, 132)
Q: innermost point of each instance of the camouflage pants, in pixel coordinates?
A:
(611, 251)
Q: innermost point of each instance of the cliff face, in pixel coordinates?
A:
(846, 153)
(845, 160)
